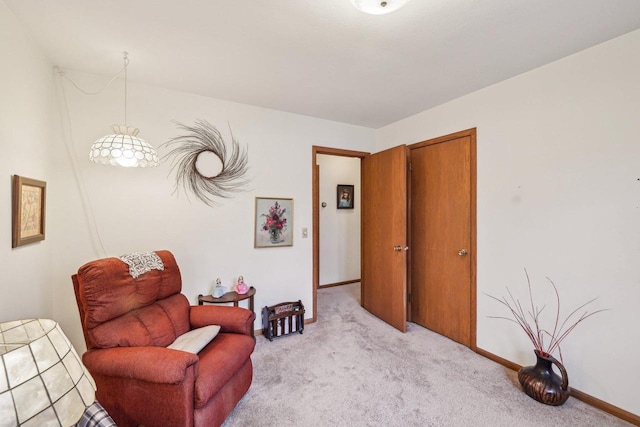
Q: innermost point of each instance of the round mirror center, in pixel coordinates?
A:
(208, 164)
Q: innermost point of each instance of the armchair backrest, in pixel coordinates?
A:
(117, 310)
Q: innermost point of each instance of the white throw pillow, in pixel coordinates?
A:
(196, 339)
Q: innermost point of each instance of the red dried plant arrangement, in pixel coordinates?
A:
(530, 321)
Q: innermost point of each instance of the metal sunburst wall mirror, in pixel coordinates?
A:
(204, 165)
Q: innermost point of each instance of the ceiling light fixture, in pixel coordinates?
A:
(378, 7)
(123, 147)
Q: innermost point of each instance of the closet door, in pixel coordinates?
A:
(442, 297)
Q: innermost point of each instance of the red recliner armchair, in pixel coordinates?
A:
(129, 322)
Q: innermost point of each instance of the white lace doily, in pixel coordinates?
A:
(141, 262)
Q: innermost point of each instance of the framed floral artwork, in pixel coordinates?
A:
(28, 210)
(345, 196)
(273, 222)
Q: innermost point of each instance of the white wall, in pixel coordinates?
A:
(339, 228)
(135, 210)
(558, 193)
(28, 133)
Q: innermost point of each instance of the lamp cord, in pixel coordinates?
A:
(126, 62)
(124, 69)
(98, 245)
(63, 74)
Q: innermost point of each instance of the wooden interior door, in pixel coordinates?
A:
(384, 235)
(441, 238)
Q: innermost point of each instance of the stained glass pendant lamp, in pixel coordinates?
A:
(123, 147)
(42, 379)
(378, 7)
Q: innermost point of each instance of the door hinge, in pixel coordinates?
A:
(409, 297)
(409, 166)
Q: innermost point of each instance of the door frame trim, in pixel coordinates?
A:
(471, 133)
(315, 195)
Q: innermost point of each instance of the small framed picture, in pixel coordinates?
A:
(273, 222)
(345, 196)
(28, 210)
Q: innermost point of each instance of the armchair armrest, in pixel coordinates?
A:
(231, 319)
(153, 364)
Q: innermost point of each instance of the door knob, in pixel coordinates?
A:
(462, 252)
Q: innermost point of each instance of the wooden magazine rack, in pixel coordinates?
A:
(282, 319)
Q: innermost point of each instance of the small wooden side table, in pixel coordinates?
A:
(233, 297)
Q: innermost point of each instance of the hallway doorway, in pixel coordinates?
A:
(316, 204)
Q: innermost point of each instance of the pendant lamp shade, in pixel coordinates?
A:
(123, 148)
(378, 7)
(42, 379)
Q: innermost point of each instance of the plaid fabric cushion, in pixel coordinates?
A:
(96, 416)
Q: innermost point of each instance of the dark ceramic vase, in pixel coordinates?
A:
(542, 384)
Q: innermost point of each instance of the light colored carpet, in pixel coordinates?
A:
(351, 369)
